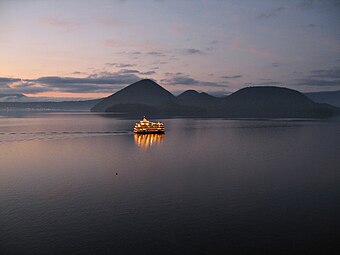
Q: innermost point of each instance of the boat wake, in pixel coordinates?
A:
(31, 136)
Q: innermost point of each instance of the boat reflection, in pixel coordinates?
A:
(146, 141)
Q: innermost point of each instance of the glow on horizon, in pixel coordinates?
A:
(69, 95)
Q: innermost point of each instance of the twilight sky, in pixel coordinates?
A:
(90, 49)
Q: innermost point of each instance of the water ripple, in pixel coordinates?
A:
(52, 135)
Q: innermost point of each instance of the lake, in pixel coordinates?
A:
(83, 183)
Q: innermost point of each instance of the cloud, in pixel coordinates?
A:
(129, 52)
(156, 53)
(193, 51)
(127, 71)
(328, 74)
(232, 77)
(124, 71)
(321, 77)
(147, 73)
(183, 80)
(312, 4)
(271, 13)
(104, 78)
(271, 83)
(159, 62)
(317, 82)
(104, 82)
(19, 86)
(312, 25)
(58, 23)
(213, 42)
(173, 74)
(4, 80)
(265, 83)
(306, 4)
(211, 45)
(120, 65)
(180, 79)
(187, 51)
(79, 73)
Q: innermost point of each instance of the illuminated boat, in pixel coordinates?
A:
(148, 127)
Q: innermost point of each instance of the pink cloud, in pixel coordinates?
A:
(58, 23)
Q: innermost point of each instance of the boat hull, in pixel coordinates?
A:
(150, 132)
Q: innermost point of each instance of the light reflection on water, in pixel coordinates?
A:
(146, 141)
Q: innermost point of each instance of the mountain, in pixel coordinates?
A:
(272, 102)
(194, 98)
(147, 97)
(143, 92)
(49, 106)
(12, 97)
(22, 102)
(329, 97)
(165, 109)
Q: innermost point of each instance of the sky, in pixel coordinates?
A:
(91, 49)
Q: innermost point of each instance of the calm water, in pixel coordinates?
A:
(84, 184)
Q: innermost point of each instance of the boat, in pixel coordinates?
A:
(148, 127)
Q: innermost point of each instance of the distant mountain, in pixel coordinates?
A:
(12, 97)
(49, 106)
(10, 102)
(273, 102)
(194, 98)
(144, 92)
(146, 97)
(328, 97)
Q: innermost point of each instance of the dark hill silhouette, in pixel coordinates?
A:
(145, 92)
(273, 102)
(169, 108)
(329, 97)
(194, 98)
(146, 96)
